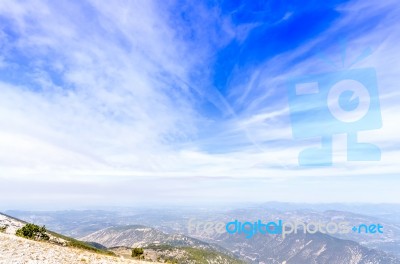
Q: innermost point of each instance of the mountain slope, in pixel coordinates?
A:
(296, 248)
(9, 225)
(142, 236)
(82, 223)
(58, 249)
(181, 255)
(15, 250)
(302, 248)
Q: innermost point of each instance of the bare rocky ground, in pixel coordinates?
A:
(16, 250)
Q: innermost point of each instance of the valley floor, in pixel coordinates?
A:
(16, 250)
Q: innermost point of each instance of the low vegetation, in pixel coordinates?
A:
(35, 232)
(32, 231)
(137, 253)
(170, 254)
(203, 256)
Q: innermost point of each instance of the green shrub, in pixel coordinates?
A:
(33, 231)
(137, 252)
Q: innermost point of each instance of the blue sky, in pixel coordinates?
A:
(184, 101)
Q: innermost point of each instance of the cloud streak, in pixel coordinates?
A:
(93, 92)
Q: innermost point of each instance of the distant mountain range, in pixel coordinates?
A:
(144, 227)
(164, 248)
(295, 248)
(301, 248)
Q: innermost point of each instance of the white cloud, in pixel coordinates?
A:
(125, 104)
(116, 110)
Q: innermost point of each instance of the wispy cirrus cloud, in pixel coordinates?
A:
(93, 82)
(101, 93)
